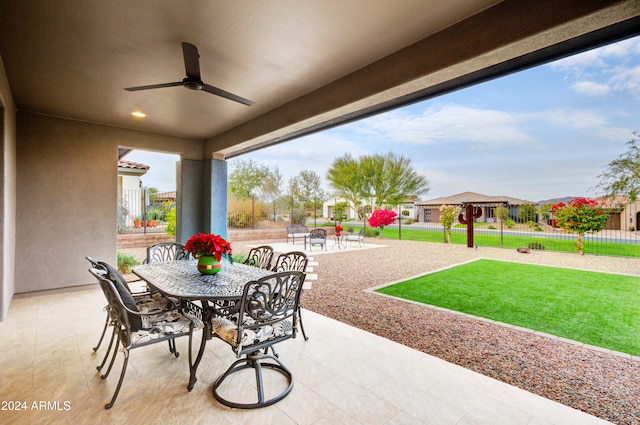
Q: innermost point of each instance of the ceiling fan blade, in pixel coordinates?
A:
(154, 86)
(219, 92)
(191, 60)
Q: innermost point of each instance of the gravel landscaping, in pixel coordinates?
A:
(603, 384)
(593, 380)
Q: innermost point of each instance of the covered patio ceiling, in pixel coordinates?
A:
(306, 65)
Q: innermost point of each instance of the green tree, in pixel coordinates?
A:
(390, 178)
(345, 176)
(501, 212)
(247, 178)
(153, 194)
(306, 189)
(383, 179)
(527, 212)
(339, 211)
(448, 215)
(272, 189)
(545, 211)
(622, 175)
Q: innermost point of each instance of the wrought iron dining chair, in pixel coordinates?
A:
(317, 237)
(143, 300)
(260, 256)
(166, 251)
(137, 326)
(266, 316)
(95, 263)
(293, 261)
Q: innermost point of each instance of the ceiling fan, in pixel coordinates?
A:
(193, 81)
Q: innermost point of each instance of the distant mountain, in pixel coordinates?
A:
(556, 200)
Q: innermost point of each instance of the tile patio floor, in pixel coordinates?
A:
(343, 375)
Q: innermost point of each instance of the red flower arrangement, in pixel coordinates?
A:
(338, 230)
(208, 245)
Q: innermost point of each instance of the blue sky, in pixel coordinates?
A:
(544, 133)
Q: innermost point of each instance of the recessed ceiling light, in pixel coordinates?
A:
(138, 114)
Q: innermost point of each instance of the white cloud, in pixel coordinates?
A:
(597, 59)
(574, 118)
(314, 153)
(590, 88)
(451, 123)
(628, 81)
(612, 67)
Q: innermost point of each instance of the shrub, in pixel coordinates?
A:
(509, 223)
(171, 222)
(371, 232)
(536, 245)
(239, 258)
(238, 220)
(491, 226)
(448, 215)
(126, 262)
(241, 210)
(408, 221)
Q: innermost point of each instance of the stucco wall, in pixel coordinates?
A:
(67, 191)
(7, 193)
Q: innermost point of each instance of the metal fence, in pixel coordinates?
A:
(142, 212)
(619, 238)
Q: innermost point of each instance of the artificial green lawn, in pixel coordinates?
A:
(594, 308)
(558, 244)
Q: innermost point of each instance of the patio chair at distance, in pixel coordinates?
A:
(355, 238)
(317, 237)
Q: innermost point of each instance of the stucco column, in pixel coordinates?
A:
(202, 198)
(218, 198)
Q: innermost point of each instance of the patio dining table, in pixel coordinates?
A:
(218, 294)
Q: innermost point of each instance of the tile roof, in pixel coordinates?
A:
(472, 198)
(133, 165)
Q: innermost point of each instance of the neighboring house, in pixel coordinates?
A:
(329, 205)
(130, 191)
(408, 208)
(625, 215)
(429, 211)
(162, 197)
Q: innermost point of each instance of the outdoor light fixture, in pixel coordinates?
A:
(138, 114)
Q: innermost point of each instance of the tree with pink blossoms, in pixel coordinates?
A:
(381, 218)
(580, 216)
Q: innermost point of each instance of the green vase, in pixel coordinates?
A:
(207, 264)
